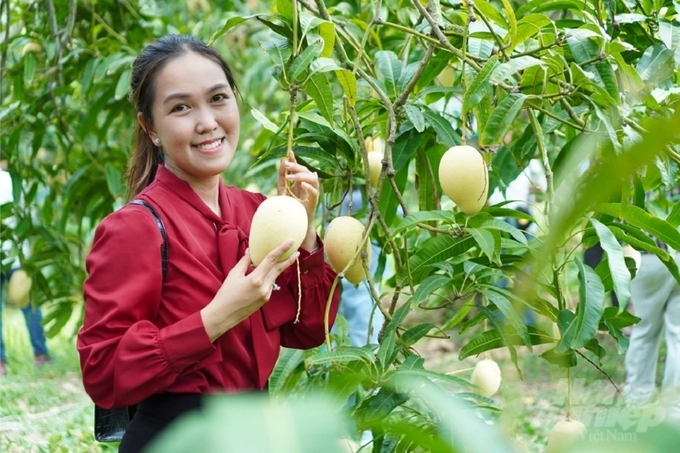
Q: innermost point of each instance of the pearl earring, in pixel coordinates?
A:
(157, 141)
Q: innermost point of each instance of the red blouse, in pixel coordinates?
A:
(142, 333)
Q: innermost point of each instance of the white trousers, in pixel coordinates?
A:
(655, 296)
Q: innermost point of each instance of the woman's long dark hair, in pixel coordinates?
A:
(146, 156)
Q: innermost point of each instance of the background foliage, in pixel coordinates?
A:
(589, 88)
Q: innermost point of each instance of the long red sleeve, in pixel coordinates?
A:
(142, 333)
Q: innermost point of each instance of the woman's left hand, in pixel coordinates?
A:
(304, 185)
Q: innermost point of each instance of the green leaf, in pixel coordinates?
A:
(434, 250)
(285, 30)
(511, 20)
(538, 6)
(655, 64)
(527, 27)
(579, 329)
(263, 120)
(673, 218)
(284, 8)
(504, 70)
(327, 32)
(228, 25)
(415, 116)
(510, 314)
(29, 67)
(501, 225)
(480, 85)
(669, 32)
(390, 67)
(430, 285)
(640, 218)
(618, 319)
(617, 264)
(585, 52)
(377, 407)
(123, 84)
(279, 51)
(348, 81)
(501, 119)
(399, 316)
(302, 62)
(505, 333)
(492, 13)
(426, 182)
(563, 360)
(318, 87)
(387, 349)
(405, 146)
(615, 320)
(323, 65)
(630, 18)
(491, 339)
(481, 48)
(432, 376)
(605, 118)
(114, 180)
(415, 333)
(583, 49)
(445, 132)
(486, 242)
(288, 360)
(423, 217)
(327, 160)
(389, 203)
(458, 317)
(88, 75)
(340, 355)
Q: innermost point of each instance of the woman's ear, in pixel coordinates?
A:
(148, 127)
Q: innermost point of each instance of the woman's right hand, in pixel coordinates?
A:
(242, 293)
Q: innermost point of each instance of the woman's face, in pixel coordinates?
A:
(196, 118)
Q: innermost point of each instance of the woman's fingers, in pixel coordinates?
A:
(272, 263)
(244, 263)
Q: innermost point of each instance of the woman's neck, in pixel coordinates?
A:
(208, 191)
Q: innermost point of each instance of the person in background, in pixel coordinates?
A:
(32, 315)
(214, 323)
(655, 296)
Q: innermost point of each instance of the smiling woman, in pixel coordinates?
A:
(207, 321)
(195, 119)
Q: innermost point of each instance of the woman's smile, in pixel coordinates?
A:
(210, 146)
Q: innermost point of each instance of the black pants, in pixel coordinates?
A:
(153, 415)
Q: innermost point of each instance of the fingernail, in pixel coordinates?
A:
(289, 242)
(289, 176)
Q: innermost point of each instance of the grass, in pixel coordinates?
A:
(43, 409)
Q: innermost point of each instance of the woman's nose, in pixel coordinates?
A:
(206, 122)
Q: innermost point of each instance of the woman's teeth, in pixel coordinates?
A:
(209, 146)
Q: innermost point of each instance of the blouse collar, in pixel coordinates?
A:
(182, 188)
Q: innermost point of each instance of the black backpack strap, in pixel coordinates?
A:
(110, 424)
(161, 228)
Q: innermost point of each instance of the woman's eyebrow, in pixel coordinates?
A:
(217, 86)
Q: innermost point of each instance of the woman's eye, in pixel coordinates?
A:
(219, 97)
(180, 108)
